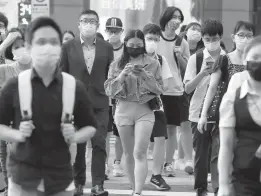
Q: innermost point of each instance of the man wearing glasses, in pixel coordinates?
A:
(88, 58)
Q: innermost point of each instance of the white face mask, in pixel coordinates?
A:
(22, 56)
(114, 38)
(151, 46)
(88, 30)
(241, 43)
(193, 35)
(46, 56)
(212, 46)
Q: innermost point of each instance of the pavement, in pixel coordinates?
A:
(181, 185)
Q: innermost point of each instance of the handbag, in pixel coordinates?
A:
(213, 111)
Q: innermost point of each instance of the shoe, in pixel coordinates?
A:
(159, 183)
(117, 170)
(189, 167)
(209, 178)
(168, 170)
(98, 190)
(107, 172)
(202, 192)
(179, 164)
(6, 192)
(78, 190)
(136, 194)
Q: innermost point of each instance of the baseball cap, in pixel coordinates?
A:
(114, 23)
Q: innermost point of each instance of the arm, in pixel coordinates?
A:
(227, 133)
(7, 112)
(111, 57)
(8, 41)
(64, 63)
(114, 85)
(84, 117)
(166, 73)
(214, 81)
(151, 82)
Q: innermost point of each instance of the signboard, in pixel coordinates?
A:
(124, 5)
(24, 13)
(40, 8)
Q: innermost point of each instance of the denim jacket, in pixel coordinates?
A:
(135, 88)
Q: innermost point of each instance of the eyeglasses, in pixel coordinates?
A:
(243, 36)
(114, 31)
(89, 21)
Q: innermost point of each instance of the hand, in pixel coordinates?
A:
(226, 190)
(127, 69)
(206, 70)
(26, 128)
(137, 69)
(18, 137)
(12, 36)
(177, 50)
(202, 124)
(68, 132)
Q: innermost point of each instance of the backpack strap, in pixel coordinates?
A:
(178, 44)
(160, 59)
(178, 40)
(199, 60)
(25, 94)
(68, 97)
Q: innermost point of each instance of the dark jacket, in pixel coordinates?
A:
(73, 62)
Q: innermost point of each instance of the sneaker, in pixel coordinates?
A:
(209, 178)
(202, 192)
(179, 164)
(107, 171)
(98, 190)
(168, 170)
(78, 190)
(136, 194)
(159, 183)
(189, 167)
(117, 170)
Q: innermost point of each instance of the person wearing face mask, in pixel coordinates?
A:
(240, 128)
(225, 68)
(194, 38)
(33, 163)
(114, 30)
(175, 102)
(88, 58)
(21, 61)
(152, 33)
(135, 81)
(196, 79)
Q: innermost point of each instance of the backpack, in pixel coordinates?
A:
(26, 94)
(160, 59)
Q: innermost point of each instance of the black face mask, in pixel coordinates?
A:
(254, 69)
(135, 52)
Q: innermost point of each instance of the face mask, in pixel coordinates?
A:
(114, 38)
(212, 46)
(135, 52)
(254, 69)
(193, 35)
(151, 46)
(45, 56)
(88, 30)
(174, 24)
(241, 43)
(21, 55)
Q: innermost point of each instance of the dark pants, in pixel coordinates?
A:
(98, 153)
(3, 157)
(202, 144)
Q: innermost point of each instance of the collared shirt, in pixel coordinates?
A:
(45, 155)
(227, 113)
(201, 90)
(89, 54)
(135, 88)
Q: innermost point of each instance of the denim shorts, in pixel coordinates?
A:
(130, 113)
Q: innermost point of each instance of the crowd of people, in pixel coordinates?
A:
(158, 92)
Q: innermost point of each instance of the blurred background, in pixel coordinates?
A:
(134, 13)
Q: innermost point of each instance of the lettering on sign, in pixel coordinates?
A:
(124, 4)
(24, 13)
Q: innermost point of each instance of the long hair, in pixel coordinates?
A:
(125, 57)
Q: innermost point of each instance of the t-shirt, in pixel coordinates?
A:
(201, 90)
(118, 52)
(165, 48)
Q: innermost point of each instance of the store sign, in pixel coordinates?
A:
(124, 4)
(40, 8)
(24, 13)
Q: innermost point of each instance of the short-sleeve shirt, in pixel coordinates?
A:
(165, 48)
(227, 113)
(201, 90)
